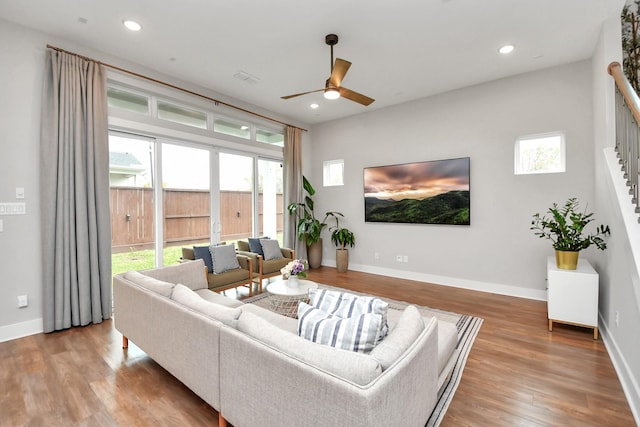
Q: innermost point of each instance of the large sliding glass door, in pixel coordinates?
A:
(271, 205)
(166, 195)
(236, 197)
(133, 202)
(186, 199)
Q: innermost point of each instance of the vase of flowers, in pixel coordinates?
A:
(293, 271)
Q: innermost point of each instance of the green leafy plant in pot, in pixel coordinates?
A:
(565, 228)
(308, 227)
(341, 237)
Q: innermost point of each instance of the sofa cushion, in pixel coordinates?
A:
(358, 333)
(255, 246)
(211, 296)
(288, 324)
(188, 298)
(344, 304)
(409, 326)
(271, 249)
(355, 367)
(203, 253)
(224, 258)
(161, 287)
(191, 274)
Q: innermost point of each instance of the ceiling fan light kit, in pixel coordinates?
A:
(331, 93)
(332, 88)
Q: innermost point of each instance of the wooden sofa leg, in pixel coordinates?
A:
(125, 342)
(221, 421)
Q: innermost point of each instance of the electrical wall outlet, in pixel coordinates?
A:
(23, 301)
(405, 258)
(399, 258)
(376, 255)
(617, 318)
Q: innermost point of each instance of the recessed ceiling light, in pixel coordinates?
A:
(506, 49)
(132, 25)
(314, 106)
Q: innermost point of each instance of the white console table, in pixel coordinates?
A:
(572, 295)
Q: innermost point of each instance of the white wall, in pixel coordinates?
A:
(618, 266)
(21, 79)
(497, 252)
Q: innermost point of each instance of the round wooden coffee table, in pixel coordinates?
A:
(284, 298)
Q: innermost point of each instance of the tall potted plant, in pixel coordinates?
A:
(565, 228)
(341, 237)
(308, 226)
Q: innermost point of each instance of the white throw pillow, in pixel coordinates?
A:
(187, 297)
(344, 304)
(224, 258)
(271, 249)
(358, 333)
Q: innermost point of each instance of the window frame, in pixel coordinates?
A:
(518, 168)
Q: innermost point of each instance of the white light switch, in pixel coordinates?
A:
(19, 193)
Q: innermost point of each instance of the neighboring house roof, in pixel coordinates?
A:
(124, 163)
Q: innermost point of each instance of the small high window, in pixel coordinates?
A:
(179, 114)
(333, 172)
(270, 137)
(129, 101)
(229, 127)
(544, 153)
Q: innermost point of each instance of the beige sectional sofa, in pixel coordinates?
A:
(250, 365)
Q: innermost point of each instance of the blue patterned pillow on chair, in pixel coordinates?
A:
(202, 252)
(255, 246)
(224, 258)
(271, 249)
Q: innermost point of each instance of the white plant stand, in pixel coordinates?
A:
(572, 295)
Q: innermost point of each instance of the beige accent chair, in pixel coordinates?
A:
(243, 276)
(265, 268)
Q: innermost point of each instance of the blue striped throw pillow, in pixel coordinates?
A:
(345, 305)
(358, 333)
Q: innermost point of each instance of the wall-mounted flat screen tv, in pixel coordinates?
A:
(431, 192)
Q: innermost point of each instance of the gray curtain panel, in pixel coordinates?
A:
(74, 167)
(293, 187)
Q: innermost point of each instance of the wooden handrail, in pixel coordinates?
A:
(630, 96)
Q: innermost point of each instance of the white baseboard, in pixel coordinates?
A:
(625, 376)
(19, 330)
(475, 285)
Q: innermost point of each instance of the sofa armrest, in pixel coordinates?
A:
(255, 258)
(245, 261)
(288, 253)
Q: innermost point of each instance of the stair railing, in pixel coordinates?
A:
(627, 131)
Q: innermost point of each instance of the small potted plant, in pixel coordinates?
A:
(341, 237)
(565, 228)
(308, 227)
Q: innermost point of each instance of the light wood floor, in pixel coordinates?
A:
(518, 374)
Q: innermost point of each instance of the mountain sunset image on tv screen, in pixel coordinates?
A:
(430, 192)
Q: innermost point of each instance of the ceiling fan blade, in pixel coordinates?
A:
(338, 72)
(299, 94)
(355, 96)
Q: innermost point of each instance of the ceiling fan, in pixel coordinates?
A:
(332, 88)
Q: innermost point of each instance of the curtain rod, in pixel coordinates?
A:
(172, 86)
